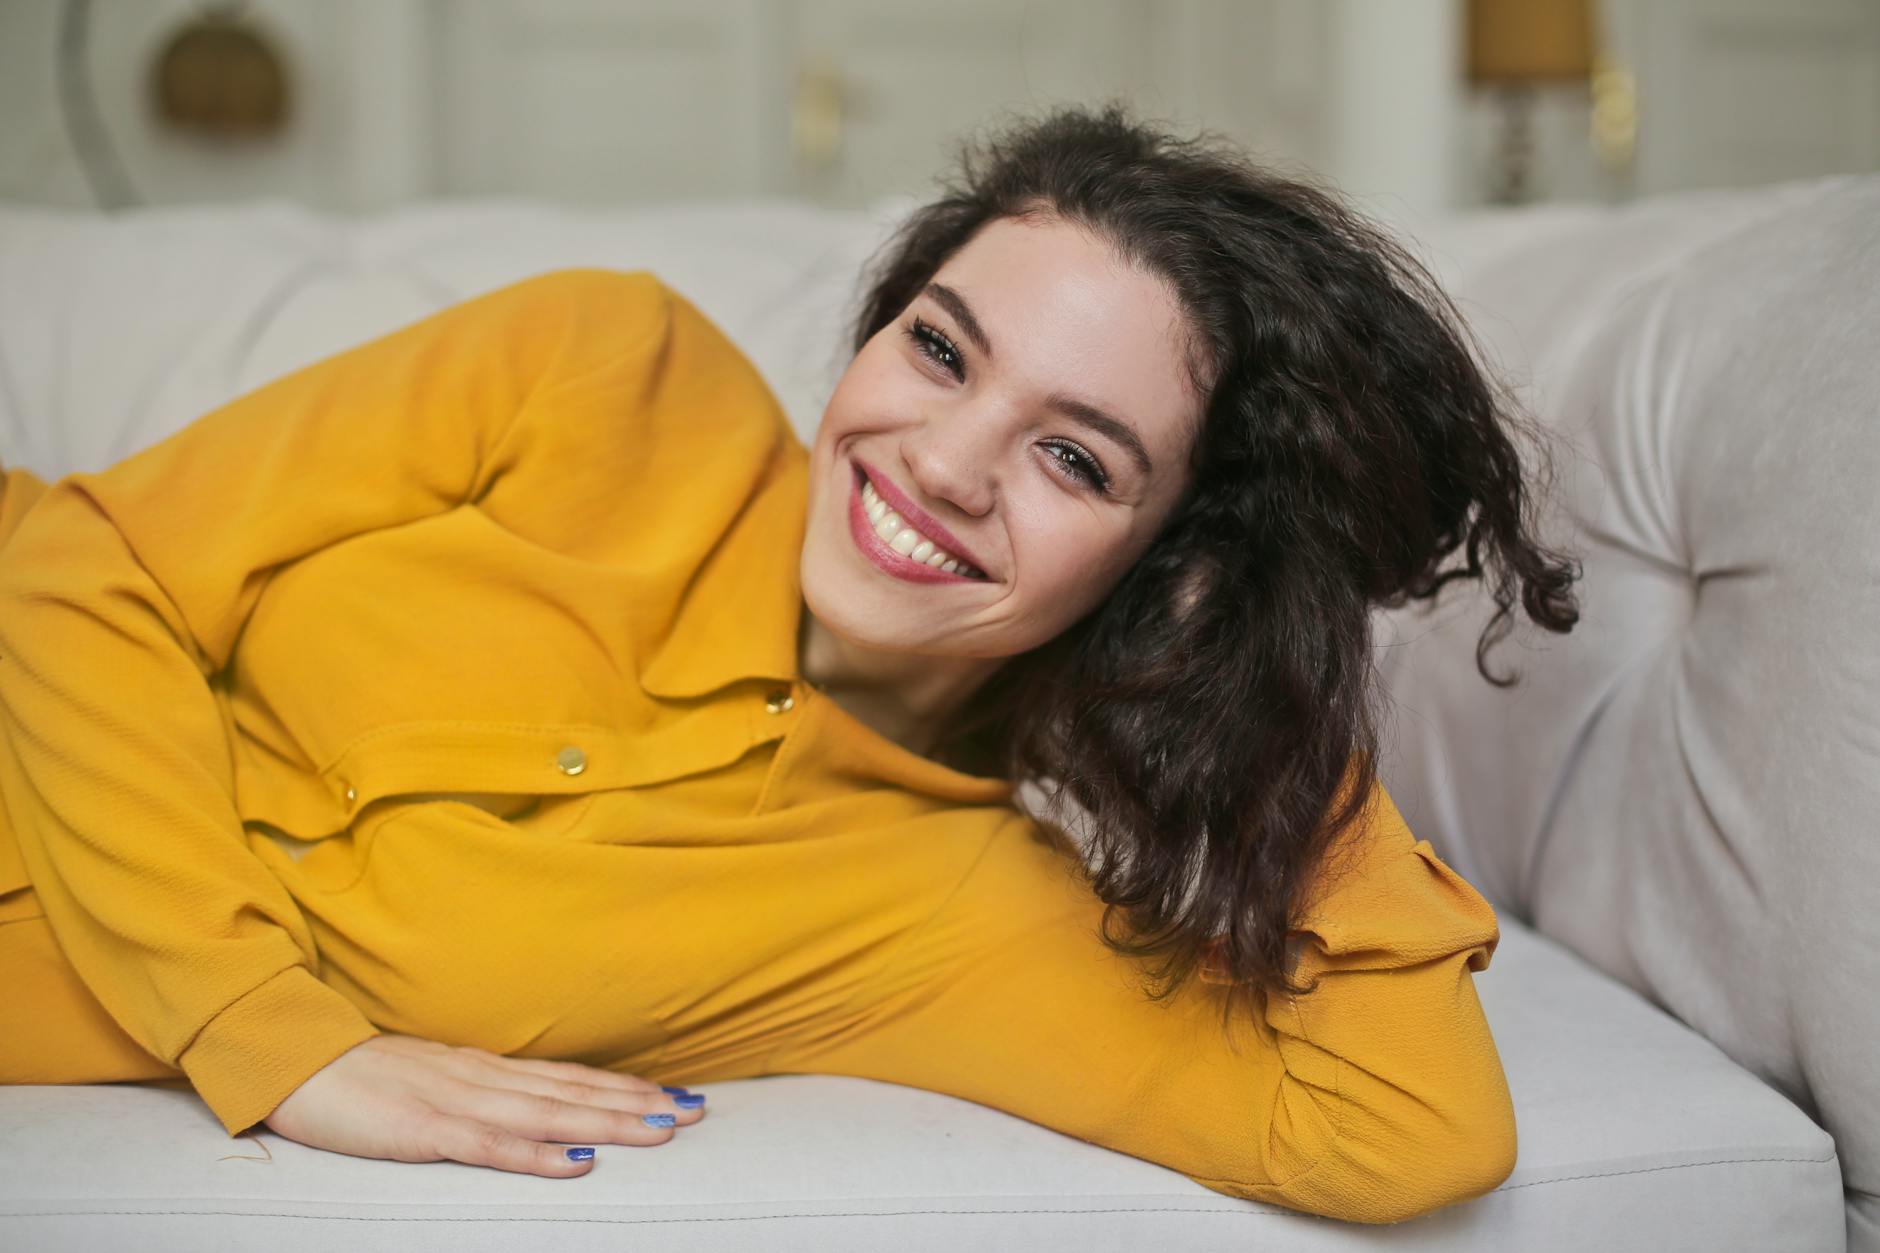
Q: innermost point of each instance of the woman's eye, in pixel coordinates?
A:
(1080, 465)
(1073, 462)
(936, 347)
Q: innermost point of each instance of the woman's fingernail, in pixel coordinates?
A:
(580, 1155)
(691, 1100)
(672, 1091)
(658, 1120)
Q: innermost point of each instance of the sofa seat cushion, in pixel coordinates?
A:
(1636, 1133)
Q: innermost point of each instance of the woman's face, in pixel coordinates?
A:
(1029, 413)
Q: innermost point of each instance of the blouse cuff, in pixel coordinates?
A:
(264, 1045)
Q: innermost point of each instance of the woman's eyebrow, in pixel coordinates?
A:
(962, 312)
(1082, 412)
(1092, 418)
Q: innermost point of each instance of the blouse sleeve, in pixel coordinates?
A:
(1377, 1097)
(122, 594)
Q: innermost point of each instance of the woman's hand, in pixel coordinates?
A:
(415, 1100)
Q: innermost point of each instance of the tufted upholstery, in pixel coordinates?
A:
(1668, 813)
(1686, 790)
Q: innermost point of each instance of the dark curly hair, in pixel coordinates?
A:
(1213, 717)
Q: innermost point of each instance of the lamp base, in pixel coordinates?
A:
(1514, 153)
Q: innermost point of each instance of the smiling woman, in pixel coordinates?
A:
(440, 750)
(1199, 421)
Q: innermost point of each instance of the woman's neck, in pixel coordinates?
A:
(901, 696)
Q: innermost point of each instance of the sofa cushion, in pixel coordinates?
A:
(1636, 1133)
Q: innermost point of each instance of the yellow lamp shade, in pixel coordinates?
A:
(1530, 41)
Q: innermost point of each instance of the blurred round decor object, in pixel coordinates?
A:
(219, 76)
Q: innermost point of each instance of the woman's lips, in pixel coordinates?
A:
(877, 550)
(922, 521)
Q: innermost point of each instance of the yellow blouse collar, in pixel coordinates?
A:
(740, 621)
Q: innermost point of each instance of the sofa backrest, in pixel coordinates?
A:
(116, 330)
(1686, 789)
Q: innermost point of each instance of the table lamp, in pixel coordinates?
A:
(1514, 48)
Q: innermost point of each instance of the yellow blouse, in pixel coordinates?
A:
(448, 686)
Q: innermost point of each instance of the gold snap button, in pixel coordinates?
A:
(352, 793)
(780, 701)
(571, 760)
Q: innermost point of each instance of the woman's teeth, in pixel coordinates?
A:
(905, 540)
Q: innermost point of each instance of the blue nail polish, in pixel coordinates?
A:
(672, 1091)
(580, 1155)
(658, 1120)
(691, 1100)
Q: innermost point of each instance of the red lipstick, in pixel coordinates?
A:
(917, 517)
(877, 549)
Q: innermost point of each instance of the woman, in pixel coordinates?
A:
(433, 753)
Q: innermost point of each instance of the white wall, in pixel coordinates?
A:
(1367, 92)
(1392, 101)
(352, 142)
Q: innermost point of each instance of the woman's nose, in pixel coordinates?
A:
(952, 479)
(953, 465)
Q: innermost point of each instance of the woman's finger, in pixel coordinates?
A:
(539, 1117)
(635, 1101)
(575, 1071)
(484, 1144)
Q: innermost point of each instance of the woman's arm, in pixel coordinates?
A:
(1377, 1097)
(122, 595)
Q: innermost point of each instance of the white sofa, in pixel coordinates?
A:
(1674, 813)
